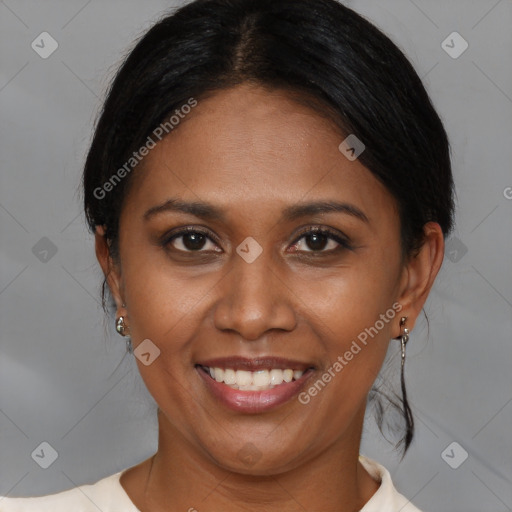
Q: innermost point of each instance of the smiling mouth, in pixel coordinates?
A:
(259, 380)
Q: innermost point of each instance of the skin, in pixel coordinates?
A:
(253, 152)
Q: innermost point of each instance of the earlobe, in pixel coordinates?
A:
(420, 272)
(110, 270)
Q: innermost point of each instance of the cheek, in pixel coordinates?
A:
(161, 300)
(354, 299)
(357, 313)
(356, 342)
(354, 315)
(166, 308)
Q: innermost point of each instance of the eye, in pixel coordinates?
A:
(320, 240)
(313, 240)
(191, 239)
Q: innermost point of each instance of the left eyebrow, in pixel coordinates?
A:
(317, 207)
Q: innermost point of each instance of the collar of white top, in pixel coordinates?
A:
(385, 499)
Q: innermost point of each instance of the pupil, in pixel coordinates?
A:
(193, 241)
(317, 241)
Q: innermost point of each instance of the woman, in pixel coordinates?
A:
(270, 189)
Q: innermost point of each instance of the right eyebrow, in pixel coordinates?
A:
(197, 208)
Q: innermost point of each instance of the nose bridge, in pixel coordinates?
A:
(253, 298)
(256, 281)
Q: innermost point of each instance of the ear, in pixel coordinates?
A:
(111, 271)
(420, 272)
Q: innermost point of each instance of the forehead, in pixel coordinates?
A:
(251, 147)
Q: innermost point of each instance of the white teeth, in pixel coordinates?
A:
(288, 375)
(249, 388)
(276, 377)
(259, 380)
(243, 378)
(229, 376)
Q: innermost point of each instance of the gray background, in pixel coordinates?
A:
(61, 380)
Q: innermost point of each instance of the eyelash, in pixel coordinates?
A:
(330, 234)
(343, 242)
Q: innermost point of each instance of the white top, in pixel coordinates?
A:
(108, 495)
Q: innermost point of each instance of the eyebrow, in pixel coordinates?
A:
(210, 212)
(196, 208)
(317, 207)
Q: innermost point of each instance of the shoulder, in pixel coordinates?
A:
(107, 495)
(387, 498)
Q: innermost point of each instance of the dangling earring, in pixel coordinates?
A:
(404, 338)
(122, 329)
(121, 326)
(409, 420)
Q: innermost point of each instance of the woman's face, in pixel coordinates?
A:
(250, 172)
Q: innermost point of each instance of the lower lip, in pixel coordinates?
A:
(253, 402)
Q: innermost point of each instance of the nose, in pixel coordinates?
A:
(254, 299)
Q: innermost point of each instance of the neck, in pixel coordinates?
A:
(182, 477)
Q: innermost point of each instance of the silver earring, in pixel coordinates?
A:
(404, 338)
(121, 326)
(122, 329)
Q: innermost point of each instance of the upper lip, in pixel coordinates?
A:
(254, 364)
